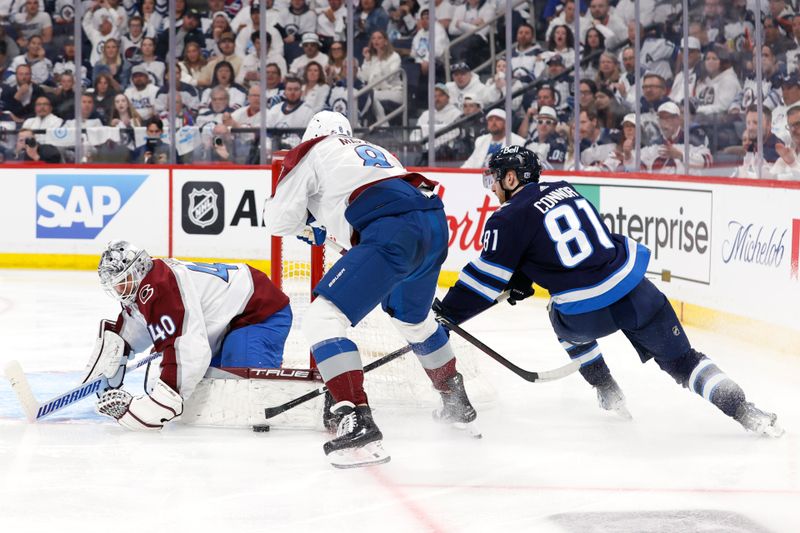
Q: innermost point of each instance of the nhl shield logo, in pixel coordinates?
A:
(203, 207)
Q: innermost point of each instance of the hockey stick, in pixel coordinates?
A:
(271, 412)
(527, 375)
(35, 411)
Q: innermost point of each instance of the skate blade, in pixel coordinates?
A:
(623, 413)
(771, 430)
(368, 455)
(470, 428)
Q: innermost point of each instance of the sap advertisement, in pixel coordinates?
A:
(65, 211)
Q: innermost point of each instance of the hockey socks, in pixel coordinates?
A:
(593, 370)
(439, 376)
(339, 364)
(597, 374)
(701, 375)
(437, 358)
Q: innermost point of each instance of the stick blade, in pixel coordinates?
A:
(560, 372)
(15, 376)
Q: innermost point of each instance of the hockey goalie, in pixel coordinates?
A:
(199, 316)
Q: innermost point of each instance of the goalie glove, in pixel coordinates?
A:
(519, 287)
(109, 357)
(314, 232)
(142, 413)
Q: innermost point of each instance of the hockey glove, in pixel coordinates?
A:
(108, 358)
(314, 233)
(519, 287)
(142, 413)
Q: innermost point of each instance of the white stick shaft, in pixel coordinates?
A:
(35, 411)
(22, 388)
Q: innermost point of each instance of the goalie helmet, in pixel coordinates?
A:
(122, 268)
(327, 123)
(516, 158)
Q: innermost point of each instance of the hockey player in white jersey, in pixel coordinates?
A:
(395, 228)
(195, 314)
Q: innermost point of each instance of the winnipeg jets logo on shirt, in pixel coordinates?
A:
(145, 293)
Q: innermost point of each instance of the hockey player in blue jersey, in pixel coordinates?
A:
(334, 185)
(549, 233)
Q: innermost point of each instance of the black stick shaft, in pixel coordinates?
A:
(521, 372)
(271, 412)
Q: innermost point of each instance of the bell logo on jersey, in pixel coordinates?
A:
(80, 206)
(203, 207)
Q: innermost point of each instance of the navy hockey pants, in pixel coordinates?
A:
(644, 315)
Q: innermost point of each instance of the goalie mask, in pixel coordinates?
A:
(517, 158)
(327, 123)
(122, 268)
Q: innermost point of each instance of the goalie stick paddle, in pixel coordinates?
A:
(527, 375)
(271, 412)
(35, 411)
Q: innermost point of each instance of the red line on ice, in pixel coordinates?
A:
(401, 497)
(705, 490)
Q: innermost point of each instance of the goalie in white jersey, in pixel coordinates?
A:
(195, 314)
(396, 230)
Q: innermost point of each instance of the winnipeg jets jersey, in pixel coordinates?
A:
(186, 309)
(319, 176)
(555, 237)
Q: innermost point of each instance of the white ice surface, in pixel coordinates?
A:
(550, 459)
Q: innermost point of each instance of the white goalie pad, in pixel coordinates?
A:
(108, 358)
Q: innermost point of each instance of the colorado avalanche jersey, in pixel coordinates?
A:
(554, 236)
(186, 309)
(319, 177)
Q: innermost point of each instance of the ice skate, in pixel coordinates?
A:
(758, 421)
(456, 408)
(358, 439)
(611, 398)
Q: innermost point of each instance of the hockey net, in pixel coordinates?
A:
(296, 268)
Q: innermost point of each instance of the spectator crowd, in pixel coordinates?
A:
(124, 80)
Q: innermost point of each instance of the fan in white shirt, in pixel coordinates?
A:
(292, 113)
(311, 53)
(44, 118)
(143, 93)
(490, 143)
